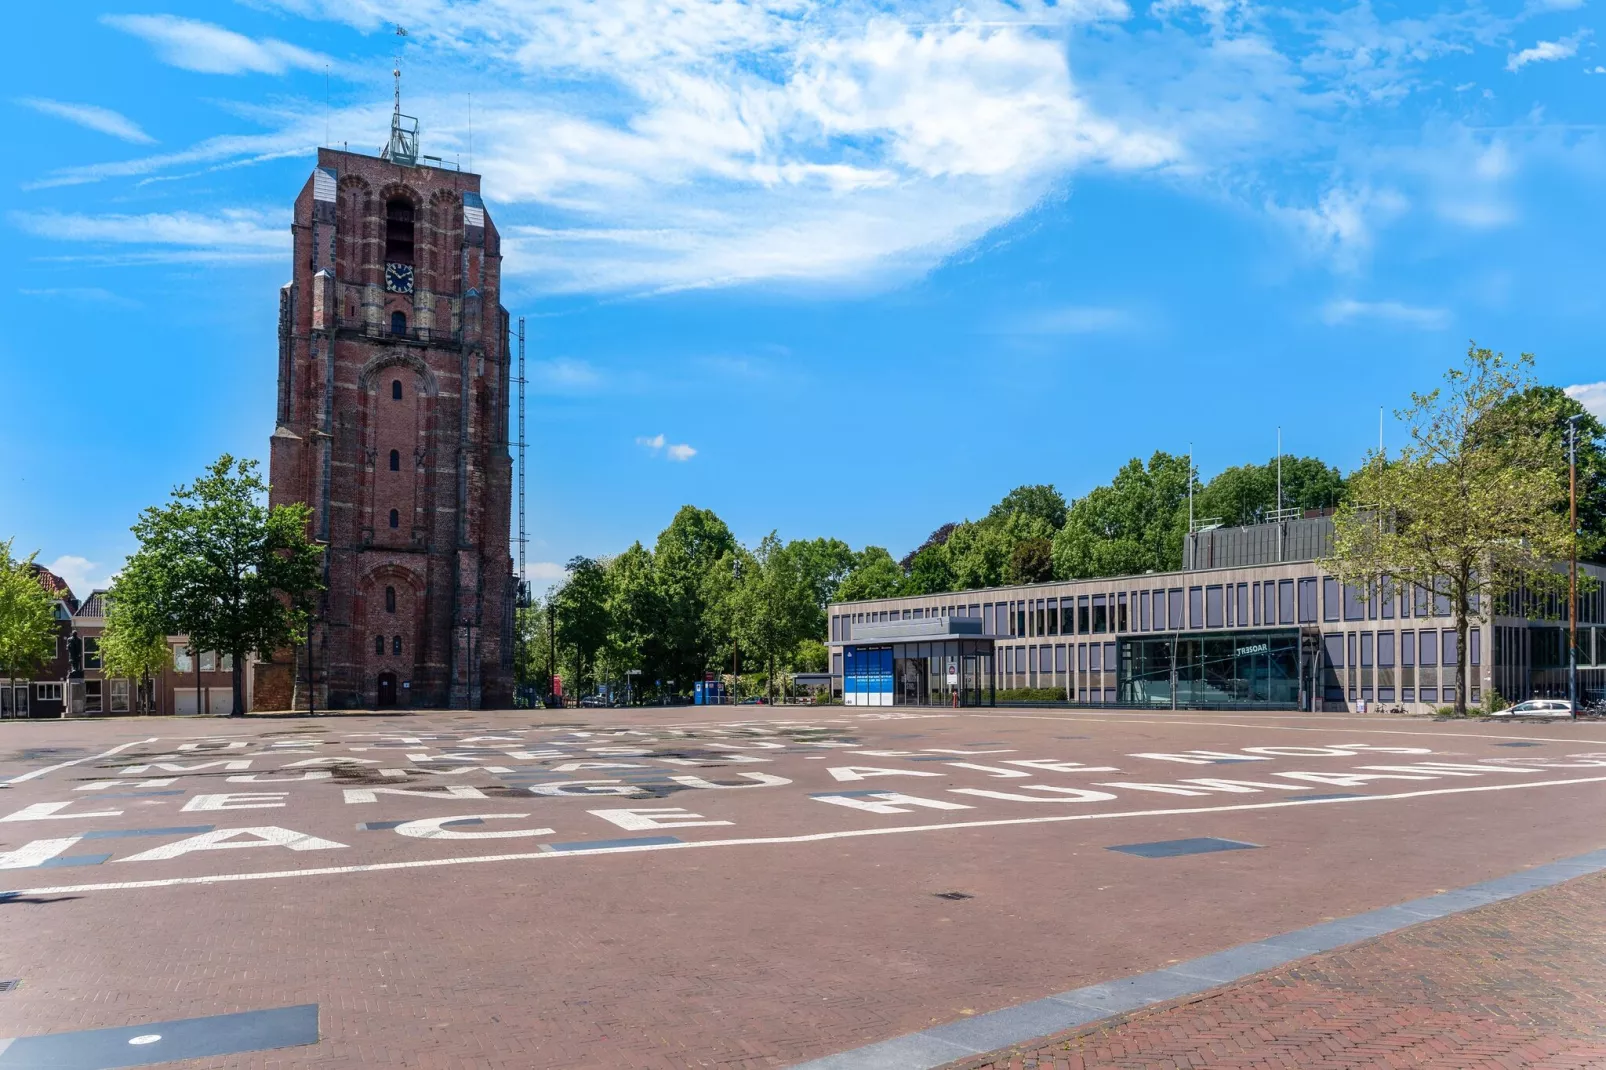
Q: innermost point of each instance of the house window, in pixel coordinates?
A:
(395, 460)
(208, 661)
(395, 389)
(92, 696)
(91, 653)
(379, 644)
(395, 644)
(181, 660)
(390, 599)
(395, 518)
(398, 323)
(119, 696)
(47, 692)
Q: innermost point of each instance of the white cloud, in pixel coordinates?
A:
(231, 234)
(96, 294)
(80, 573)
(1342, 224)
(91, 117)
(1544, 52)
(210, 49)
(1591, 396)
(859, 143)
(564, 375)
(544, 572)
(1072, 319)
(1347, 311)
(674, 451)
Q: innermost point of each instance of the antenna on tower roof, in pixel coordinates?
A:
(403, 146)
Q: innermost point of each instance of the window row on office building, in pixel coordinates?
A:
(1272, 635)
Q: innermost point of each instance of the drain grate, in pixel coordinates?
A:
(7, 986)
(953, 895)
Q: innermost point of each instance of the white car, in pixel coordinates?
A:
(1538, 707)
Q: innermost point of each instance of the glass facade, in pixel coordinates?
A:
(939, 673)
(1240, 670)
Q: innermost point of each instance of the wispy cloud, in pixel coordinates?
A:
(565, 375)
(1544, 52)
(859, 144)
(211, 49)
(674, 451)
(81, 574)
(92, 117)
(84, 293)
(231, 234)
(1347, 310)
(1071, 319)
(545, 572)
(1591, 396)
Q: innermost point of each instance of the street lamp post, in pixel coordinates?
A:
(1572, 573)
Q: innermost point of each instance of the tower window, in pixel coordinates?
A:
(395, 460)
(379, 644)
(399, 231)
(390, 601)
(395, 389)
(395, 518)
(398, 325)
(395, 644)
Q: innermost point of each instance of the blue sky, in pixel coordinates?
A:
(846, 269)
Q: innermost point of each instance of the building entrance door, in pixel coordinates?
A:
(387, 689)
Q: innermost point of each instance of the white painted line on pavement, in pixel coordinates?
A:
(75, 761)
(813, 837)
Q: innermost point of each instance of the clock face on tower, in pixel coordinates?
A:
(399, 278)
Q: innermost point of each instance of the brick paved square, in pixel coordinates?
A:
(668, 888)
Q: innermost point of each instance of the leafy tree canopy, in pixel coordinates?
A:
(27, 615)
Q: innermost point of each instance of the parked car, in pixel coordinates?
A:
(760, 701)
(594, 700)
(1537, 707)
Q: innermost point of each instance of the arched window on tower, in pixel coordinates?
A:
(379, 644)
(390, 600)
(395, 518)
(398, 323)
(395, 460)
(399, 231)
(395, 389)
(395, 644)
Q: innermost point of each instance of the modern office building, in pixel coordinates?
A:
(1252, 623)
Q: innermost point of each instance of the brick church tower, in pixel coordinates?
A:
(393, 426)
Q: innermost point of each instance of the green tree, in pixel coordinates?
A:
(27, 615)
(978, 553)
(1247, 494)
(1135, 524)
(1041, 501)
(582, 617)
(635, 616)
(929, 571)
(874, 575)
(132, 646)
(220, 565)
(774, 608)
(1542, 412)
(685, 557)
(1032, 561)
(1472, 506)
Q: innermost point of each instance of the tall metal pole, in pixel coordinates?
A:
(1572, 575)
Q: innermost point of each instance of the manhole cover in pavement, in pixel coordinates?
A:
(952, 895)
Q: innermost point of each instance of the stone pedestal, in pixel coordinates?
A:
(73, 706)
